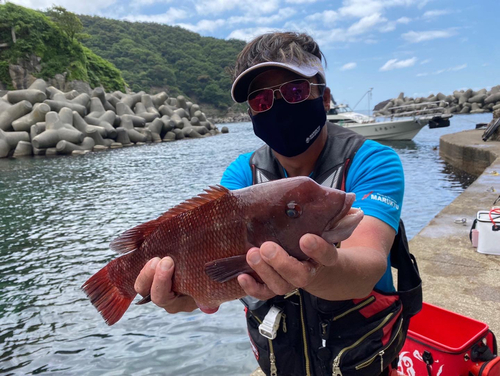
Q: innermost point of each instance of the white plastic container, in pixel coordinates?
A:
(488, 239)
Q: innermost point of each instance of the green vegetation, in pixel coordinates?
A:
(37, 35)
(154, 57)
(68, 22)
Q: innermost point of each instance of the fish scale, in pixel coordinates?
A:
(209, 235)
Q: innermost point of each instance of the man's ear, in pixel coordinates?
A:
(327, 96)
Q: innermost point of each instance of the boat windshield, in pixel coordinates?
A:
(340, 109)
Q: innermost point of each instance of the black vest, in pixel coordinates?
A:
(320, 337)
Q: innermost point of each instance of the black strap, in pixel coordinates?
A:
(409, 282)
(474, 223)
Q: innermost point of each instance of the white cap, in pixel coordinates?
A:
(310, 68)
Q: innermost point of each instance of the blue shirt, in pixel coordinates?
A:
(375, 176)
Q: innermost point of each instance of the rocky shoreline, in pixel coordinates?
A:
(43, 120)
(460, 102)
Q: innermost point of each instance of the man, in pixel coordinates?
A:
(281, 77)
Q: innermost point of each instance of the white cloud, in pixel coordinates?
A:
(425, 61)
(204, 25)
(391, 25)
(205, 7)
(403, 20)
(458, 67)
(169, 17)
(397, 64)
(422, 36)
(440, 71)
(248, 34)
(79, 7)
(301, 1)
(327, 17)
(365, 24)
(348, 66)
(360, 8)
(436, 13)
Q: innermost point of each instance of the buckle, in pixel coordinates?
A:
(269, 327)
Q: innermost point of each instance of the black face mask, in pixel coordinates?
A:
(289, 129)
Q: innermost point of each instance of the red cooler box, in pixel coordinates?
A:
(444, 343)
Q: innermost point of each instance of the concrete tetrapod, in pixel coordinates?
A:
(134, 135)
(122, 136)
(12, 113)
(66, 147)
(31, 95)
(9, 141)
(169, 136)
(84, 127)
(56, 131)
(122, 109)
(66, 115)
(58, 105)
(96, 108)
(159, 99)
(39, 84)
(99, 93)
(147, 101)
(98, 140)
(23, 149)
(4, 105)
(156, 128)
(166, 110)
(140, 110)
(25, 122)
(83, 100)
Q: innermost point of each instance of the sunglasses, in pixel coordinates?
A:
(292, 92)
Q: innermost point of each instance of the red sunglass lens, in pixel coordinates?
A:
(295, 91)
(261, 100)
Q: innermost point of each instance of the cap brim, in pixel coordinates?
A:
(239, 90)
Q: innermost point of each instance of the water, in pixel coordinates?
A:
(58, 215)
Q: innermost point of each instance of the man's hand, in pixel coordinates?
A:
(155, 279)
(349, 272)
(282, 273)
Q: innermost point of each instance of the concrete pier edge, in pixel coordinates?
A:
(455, 276)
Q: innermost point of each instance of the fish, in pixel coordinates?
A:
(209, 235)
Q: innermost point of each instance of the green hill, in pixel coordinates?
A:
(36, 35)
(154, 57)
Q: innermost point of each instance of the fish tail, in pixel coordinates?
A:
(110, 290)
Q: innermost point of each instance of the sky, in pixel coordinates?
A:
(418, 47)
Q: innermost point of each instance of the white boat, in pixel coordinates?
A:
(399, 127)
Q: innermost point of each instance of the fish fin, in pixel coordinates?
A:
(211, 193)
(144, 300)
(223, 270)
(110, 299)
(132, 239)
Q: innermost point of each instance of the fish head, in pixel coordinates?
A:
(284, 210)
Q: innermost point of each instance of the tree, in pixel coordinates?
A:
(68, 22)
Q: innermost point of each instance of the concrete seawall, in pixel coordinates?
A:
(454, 275)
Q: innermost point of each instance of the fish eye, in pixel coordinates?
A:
(293, 210)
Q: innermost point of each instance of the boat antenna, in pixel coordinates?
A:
(369, 92)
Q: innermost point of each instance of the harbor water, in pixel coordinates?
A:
(58, 216)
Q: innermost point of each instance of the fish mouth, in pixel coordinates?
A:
(347, 210)
(353, 212)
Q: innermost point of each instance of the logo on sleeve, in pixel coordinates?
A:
(383, 199)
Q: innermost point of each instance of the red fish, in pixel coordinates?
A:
(209, 235)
